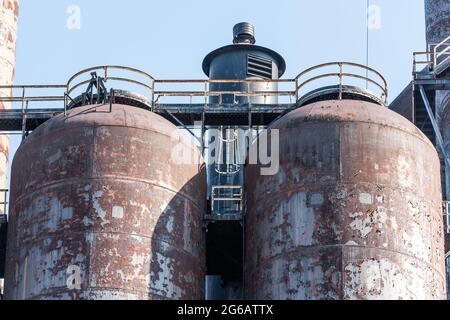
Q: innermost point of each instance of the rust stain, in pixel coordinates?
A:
(328, 233)
(103, 200)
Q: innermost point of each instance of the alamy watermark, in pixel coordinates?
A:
(374, 17)
(235, 146)
(73, 281)
(74, 17)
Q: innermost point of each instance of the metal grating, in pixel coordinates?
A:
(259, 67)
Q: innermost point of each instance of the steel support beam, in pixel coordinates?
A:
(439, 139)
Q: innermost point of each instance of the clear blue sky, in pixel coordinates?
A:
(170, 38)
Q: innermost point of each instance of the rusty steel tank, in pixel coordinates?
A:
(354, 211)
(102, 208)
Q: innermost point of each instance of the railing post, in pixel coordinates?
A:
(23, 99)
(435, 57)
(206, 93)
(153, 94)
(5, 208)
(112, 98)
(24, 119)
(340, 80)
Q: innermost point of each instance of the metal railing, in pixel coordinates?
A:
(418, 60)
(72, 84)
(207, 93)
(436, 55)
(233, 195)
(378, 81)
(4, 201)
(154, 92)
(442, 49)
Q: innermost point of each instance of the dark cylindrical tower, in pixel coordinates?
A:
(102, 208)
(244, 60)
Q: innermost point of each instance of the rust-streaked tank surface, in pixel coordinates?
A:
(101, 209)
(354, 211)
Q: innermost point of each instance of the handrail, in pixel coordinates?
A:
(216, 93)
(433, 53)
(381, 83)
(430, 59)
(225, 81)
(107, 69)
(176, 87)
(440, 53)
(206, 91)
(4, 202)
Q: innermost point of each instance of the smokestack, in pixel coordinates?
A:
(437, 13)
(244, 32)
(9, 13)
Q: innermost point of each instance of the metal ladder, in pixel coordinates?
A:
(227, 199)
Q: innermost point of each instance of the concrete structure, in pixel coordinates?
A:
(105, 211)
(437, 19)
(353, 213)
(9, 13)
(437, 29)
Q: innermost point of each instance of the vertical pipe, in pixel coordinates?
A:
(367, 42)
(9, 12)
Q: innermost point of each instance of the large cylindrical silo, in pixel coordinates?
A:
(9, 13)
(354, 211)
(103, 208)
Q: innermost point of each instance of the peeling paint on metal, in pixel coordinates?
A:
(103, 196)
(378, 233)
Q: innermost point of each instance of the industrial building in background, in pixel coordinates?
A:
(142, 189)
(9, 12)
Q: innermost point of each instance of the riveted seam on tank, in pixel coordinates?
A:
(301, 188)
(35, 138)
(85, 291)
(30, 240)
(416, 133)
(71, 181)
(266, 259)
